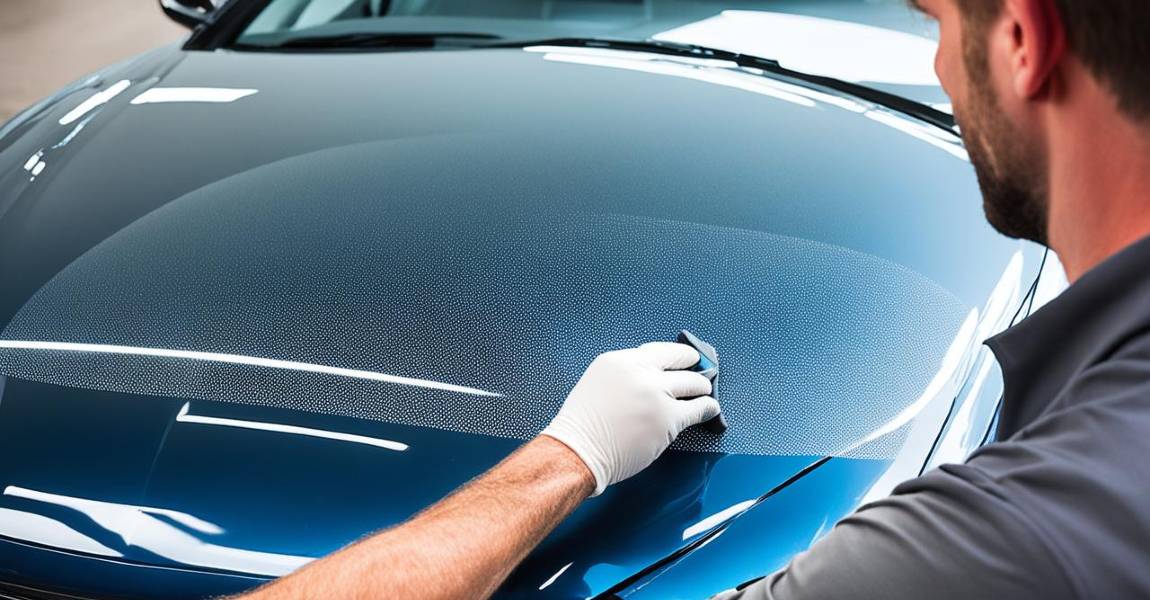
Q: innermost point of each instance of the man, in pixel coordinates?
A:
(1054, 100)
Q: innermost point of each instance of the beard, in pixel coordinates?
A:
(1011, 169)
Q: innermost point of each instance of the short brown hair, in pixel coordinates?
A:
(1111, 37)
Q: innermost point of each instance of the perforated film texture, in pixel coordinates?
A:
(345, 261)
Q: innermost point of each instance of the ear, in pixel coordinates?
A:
(1037, 45)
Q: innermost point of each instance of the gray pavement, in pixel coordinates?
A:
(45, 44)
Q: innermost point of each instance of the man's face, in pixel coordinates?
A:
(1009, 163)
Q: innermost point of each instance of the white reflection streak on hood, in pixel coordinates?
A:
(954, 446)
(717, 518)
(184, 417)
(950, 447)
(158, 95)
(944, 381)
(240, 359)
(95, 100)
(39, 529)
(552, 579)
(137, 527)
(959, 357)
(925, 133)
(184, 519)
(946, 385)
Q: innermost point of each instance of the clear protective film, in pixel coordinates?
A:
(341, 285)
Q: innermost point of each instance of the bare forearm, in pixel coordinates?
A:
(461, 547)
(622, 414)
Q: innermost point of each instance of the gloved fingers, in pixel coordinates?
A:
(693, 412)
(685, 384)
(669, 355)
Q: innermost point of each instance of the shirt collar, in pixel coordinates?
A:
(1041, 354)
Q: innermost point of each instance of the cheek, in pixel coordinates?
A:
(948, 63)
(940, 69)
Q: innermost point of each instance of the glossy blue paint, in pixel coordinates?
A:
(42, 568)
(767, 537)
(166, 496)
(265, 493)
(139, 157)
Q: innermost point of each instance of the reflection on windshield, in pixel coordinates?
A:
(727, 73)
(834, 48)
(282, 20)
(699, 70)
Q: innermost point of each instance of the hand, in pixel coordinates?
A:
(625, 410)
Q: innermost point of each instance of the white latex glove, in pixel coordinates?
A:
(625, 410)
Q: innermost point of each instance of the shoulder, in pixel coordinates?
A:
(1076, 475)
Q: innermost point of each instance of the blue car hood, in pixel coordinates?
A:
(251, 493)
(246, 320)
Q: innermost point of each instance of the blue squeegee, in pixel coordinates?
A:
(708, 366)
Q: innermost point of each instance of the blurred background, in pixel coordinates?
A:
(45, 44)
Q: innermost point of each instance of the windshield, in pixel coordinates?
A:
(454, 23)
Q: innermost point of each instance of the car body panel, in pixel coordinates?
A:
(252, 503)
(225, 473)
(766, 539)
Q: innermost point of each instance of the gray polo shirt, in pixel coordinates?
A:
(1059, 508)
